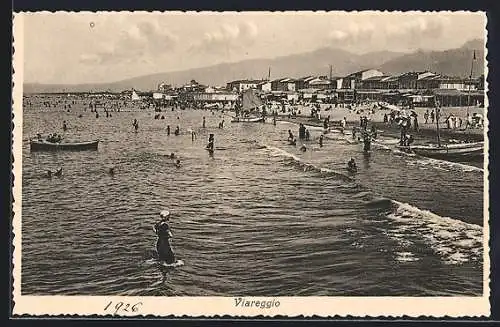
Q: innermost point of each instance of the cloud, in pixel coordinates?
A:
(352, 35)
(227, 37)
(417, 31)
(144, 39)
(406, 34)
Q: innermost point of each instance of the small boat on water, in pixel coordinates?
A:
(464, 151)
(250, 103)
(43, 145)
(246, 120)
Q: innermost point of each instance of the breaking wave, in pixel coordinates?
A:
(298, 162)
(454, 241)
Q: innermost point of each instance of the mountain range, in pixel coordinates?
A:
(453, 62)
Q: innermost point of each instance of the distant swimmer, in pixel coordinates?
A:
(274, 121)
(177, 131)
(65, 127)
(172, 156)
(80, 116)
(290, 136)
(351, 165)
(48, 174)
(168, 130)
(193, 136)
(136, 125)
(163, 247)
(96, 114)
(321, 141)
(221, 124)
(178, 163)
(203, 125)
(111, 171)
(58, 172)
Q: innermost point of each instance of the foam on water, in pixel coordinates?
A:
(406, 257)
(275, 151)
(449, 165)
(454, 241)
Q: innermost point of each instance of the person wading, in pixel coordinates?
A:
(163, 247)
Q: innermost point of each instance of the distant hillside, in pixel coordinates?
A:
(297, 65)
(455, 62)
(475, 44)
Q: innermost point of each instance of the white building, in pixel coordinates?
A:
(158, 95)
(265, 86)
(242, 85)
(457, 84)
(320, 83)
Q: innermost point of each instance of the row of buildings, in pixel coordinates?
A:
(415, 88)
(370, 79)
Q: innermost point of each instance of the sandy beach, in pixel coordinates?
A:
(424, 133)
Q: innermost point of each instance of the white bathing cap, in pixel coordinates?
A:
(164, 213)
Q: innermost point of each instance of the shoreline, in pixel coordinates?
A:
(426, 132)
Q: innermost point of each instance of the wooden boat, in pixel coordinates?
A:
(250, 103)
(462, 152)
(42, 145)
(246, 120)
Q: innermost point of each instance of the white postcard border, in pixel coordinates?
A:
(453, 306)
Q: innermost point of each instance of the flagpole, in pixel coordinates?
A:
(470, 80)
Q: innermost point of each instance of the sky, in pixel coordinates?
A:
(74, 48)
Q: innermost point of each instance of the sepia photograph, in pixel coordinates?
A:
(254, 158)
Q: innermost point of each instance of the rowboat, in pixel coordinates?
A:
(464, 151)
(246, 120)
(42, 145)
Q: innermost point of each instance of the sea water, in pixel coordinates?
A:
(257, 218)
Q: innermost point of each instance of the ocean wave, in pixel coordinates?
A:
(448, 165)
(454, 241)
(297, 161)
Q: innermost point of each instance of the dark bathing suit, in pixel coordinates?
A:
(163, 247)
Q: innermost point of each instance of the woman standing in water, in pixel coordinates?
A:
(163, 247)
